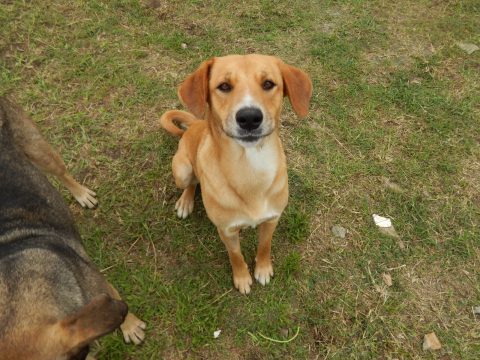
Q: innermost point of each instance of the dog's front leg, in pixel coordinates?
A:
(263, 267)
(132, 327)
(241, 277)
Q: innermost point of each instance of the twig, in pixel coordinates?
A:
(111, 266)
(214, 301)
(398, 267)
(338, 141)
(132, 246)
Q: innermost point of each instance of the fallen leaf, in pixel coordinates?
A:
(394, 186)
(387, 279)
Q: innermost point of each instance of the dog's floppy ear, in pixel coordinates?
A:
(298, 88)
(99, 317)
(193, 92)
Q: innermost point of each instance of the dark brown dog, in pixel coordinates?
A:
(53, 300)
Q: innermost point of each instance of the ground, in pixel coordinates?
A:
(393, 130)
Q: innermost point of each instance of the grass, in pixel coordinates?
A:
(393, 130)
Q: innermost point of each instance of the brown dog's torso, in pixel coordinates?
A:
(240, 187)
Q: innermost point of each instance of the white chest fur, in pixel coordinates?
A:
(262, 164)
(263, 158)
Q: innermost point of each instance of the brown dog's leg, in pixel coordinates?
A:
(241, 277)
(49, 162)
(28, 137)
(132, 328)
(185, 179)
(184, 205)
(263, 268)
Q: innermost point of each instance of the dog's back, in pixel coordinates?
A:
(45, 273)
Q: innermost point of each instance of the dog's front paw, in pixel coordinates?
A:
(243, 282)
(85, 197)
(184, 206)
(133, 329)
(263, 273)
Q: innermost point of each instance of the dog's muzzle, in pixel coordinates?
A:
(249, 120)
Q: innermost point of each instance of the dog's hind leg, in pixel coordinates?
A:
(185, 179)
(28, 137)
(132, 327)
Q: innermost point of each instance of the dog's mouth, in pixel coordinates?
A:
(248, 136)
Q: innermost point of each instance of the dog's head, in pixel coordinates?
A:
(68, 338)
(245, 94)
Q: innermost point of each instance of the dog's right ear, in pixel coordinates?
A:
(99, 317)
(193, 92)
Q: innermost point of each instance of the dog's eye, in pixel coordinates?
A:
(267, 85)
(224, 87)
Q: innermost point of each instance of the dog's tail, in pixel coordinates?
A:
(182, 117)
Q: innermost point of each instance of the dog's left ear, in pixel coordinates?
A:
(99, 317)
(193, 92)
(297, 86)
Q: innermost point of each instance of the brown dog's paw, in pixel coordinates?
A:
(243, 282)
(85, 197)
(184, 205)
(263, 273)
(133, 329)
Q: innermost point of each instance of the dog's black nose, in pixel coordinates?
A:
(249, 118)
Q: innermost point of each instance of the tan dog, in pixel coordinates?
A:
(28, 137)
(235, 153)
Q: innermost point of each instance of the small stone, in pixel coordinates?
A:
(339, 231)
(476, 309)
(469, 48)
(387, 279)
(183, 46)
(431, 342)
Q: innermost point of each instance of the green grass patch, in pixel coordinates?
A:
(395, 100)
